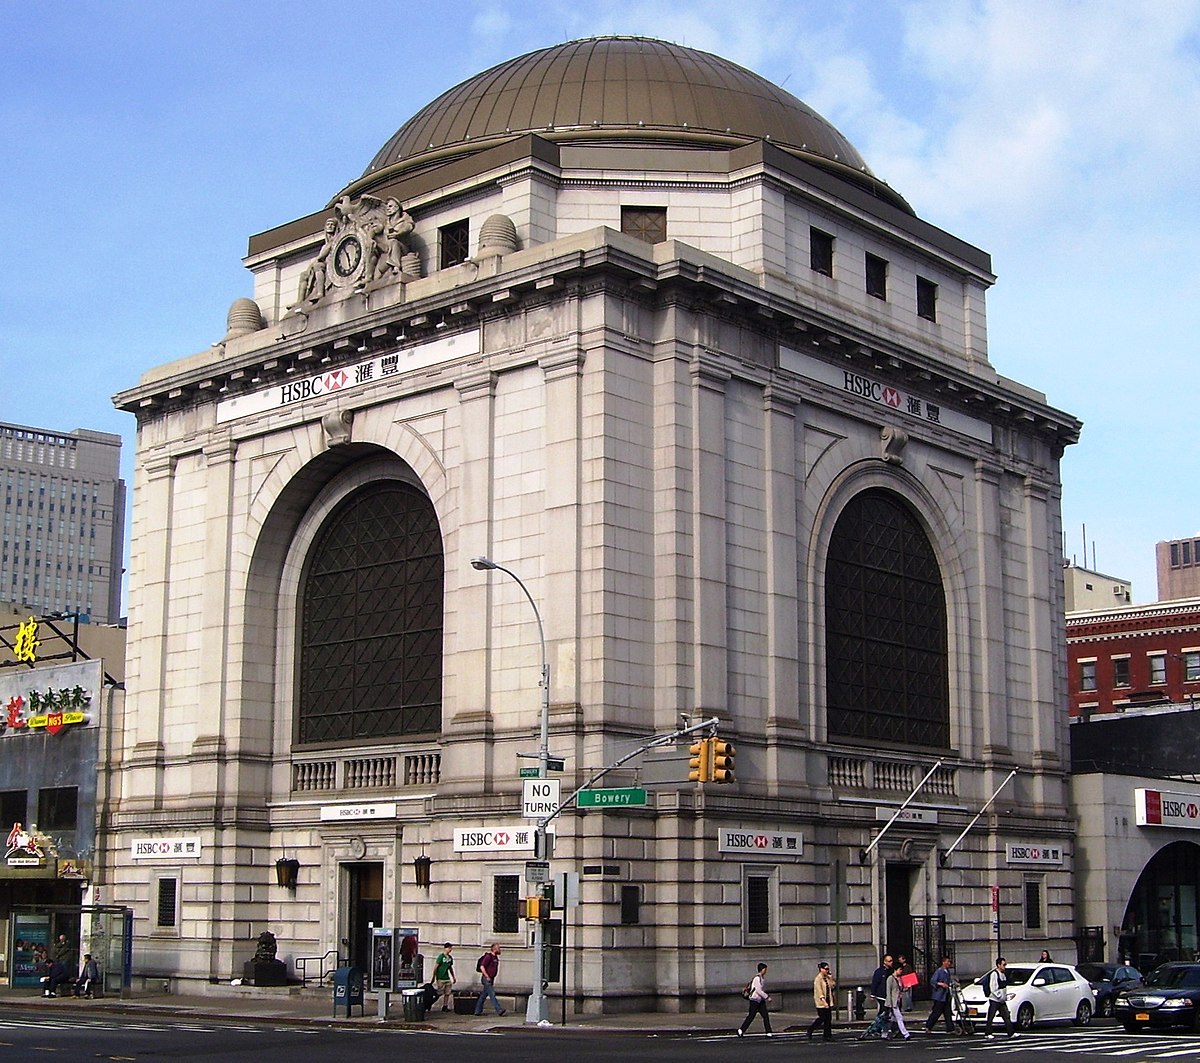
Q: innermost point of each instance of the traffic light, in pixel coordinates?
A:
(720, 760)
(701, 762)
(537, 908)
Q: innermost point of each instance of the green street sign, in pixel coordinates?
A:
(530, 773)
(552, 764)
(614, 797)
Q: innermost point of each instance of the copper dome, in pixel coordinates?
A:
(618, 88)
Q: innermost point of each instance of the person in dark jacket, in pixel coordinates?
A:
(940, 984)
(488, 967)
(879, 983)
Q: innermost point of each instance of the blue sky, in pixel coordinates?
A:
(142, 144)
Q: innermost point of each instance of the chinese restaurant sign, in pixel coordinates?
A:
(48, 700)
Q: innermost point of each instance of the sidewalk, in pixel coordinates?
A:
(293, 1005)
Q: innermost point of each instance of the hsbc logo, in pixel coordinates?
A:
(1160, 808)
(760, 843)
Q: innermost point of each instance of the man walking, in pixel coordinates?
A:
(940, 984)
(443, 975)
(488, 967)
(759, 998)
(823, 990)
(996, 987)
(879, 984)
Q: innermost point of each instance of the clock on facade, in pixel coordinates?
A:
(347, 255)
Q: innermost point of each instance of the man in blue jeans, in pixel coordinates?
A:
(488, 967)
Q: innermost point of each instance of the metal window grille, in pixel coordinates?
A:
(1033, 905)
(371, 620)
(454, 241)
(646, 223)
(758, 904)
(885, 619)
(506, 904)
(168, 895)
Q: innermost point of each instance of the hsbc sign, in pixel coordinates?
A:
(1162, 808)
(1035, 854)
(759, 842)
(494, 840)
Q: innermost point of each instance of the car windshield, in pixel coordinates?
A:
(1018, 975)
(1175, 978)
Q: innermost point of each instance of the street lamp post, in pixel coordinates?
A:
(536, 1011)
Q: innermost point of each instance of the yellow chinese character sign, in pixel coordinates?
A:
(25, 648)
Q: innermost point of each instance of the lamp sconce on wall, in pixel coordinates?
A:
(287, 869)
(421, 865)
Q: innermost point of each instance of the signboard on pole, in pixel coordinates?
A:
(539, 798)
(611, 797)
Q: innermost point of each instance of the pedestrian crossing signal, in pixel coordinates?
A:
(720, 760)
(701, 762)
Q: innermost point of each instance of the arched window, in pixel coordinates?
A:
(885, 628)
(371, 620)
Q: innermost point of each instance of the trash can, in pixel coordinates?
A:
(856, 1005)
(414, 1004)
(347, 989)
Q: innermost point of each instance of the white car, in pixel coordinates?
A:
(1037, 992)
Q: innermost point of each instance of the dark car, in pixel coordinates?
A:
(1168, 996)
(1107, 980)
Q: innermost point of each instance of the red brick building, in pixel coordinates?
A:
(1133, 656)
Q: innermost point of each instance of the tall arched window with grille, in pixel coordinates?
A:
(885, 628)
(370, 630)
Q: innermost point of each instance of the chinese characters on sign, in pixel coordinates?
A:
(760, 842)
(47, 700)
(165, 848)
(25, 647)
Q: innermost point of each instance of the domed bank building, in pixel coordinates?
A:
(712, 411)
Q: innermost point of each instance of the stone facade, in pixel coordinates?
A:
(660, 439)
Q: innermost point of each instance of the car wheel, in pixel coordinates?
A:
(1104, 1008)
(1025, 1016)
(1130, 1027)
(1083, 1013)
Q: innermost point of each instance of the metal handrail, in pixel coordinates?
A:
(302, 963)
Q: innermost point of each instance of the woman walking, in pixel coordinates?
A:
(895, 995)
(759, 999)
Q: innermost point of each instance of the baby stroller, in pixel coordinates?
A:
(963, 1025)
(879, 1025)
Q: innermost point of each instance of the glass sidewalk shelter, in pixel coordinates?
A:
(106, 931)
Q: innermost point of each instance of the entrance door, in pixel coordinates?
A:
(364, 895)
(898, 887)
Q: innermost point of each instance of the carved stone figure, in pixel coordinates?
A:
(314, 281)
(265, 968)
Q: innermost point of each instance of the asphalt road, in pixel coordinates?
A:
(81, 1037)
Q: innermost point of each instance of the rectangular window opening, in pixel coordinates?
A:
(758, 904)
(506, 904)
(167, 914)
(877, 271)
(645, 223)
(1158, 668)
(631, 905)
(1120, 667)
(1087, 675)
(58, 808)
(1035, 918)
(820, 252)
(454, 243)
(926, 299)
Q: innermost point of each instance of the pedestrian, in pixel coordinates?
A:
(908, 979)
(443, 975)
(895, 994)
(88, 982)
(823, 996)
(1045, 957)
(879, 984)
(995, 985)
(940, 985)
(756, 993)
(488, 966)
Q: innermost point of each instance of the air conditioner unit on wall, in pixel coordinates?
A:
(1118, 590)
